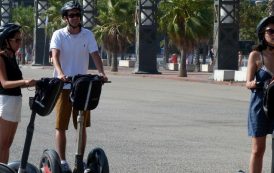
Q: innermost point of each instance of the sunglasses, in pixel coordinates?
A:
(72, 15)
(17, 40)
(269, 31)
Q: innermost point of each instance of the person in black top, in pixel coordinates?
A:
(11, 81)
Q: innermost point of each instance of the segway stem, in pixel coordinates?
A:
(80, 122)
(79, 167)
(25, 155)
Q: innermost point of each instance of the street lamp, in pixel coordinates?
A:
(41, 41)
(89, 21)
(90, 13)
(226, 34)
(5, 11)
(146, 51)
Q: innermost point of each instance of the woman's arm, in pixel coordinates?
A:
(12, 84)
(252, 67)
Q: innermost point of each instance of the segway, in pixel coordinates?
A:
(85, 95)
(46, 94)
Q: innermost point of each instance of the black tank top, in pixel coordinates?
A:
(13, 73)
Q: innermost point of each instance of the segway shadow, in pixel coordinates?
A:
(46, 94)
(84, 96)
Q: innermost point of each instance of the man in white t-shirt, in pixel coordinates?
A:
(70, 48)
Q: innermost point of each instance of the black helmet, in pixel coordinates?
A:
(262, 24)
(69, 6)
(6, 30)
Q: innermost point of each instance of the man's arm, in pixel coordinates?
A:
(57, 64)
(98, 62)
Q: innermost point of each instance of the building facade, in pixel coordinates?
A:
(23, 2)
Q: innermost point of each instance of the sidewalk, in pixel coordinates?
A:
(204, 77)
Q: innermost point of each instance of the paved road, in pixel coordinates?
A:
(152, 125)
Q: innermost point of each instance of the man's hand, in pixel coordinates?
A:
(103, 76)
(62, 77)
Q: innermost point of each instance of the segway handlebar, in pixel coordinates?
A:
(98, 77)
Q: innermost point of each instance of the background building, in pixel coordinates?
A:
(23, 2)
(258, 1)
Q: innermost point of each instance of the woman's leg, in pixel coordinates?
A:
(257, 153)
(7, 133)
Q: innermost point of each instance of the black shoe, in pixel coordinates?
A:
(65, 168)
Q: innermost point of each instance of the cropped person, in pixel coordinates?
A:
(11, 81)
(260, 69)
(71, 47)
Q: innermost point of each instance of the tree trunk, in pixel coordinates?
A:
(196, 56)
(114, 63)
(109, 59)
(23, 52)
(122, 56)
(205, 52)
(166, 51)
(182, 70)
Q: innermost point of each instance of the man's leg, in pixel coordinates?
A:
(84, 140)
(63, 112)
(61, 142)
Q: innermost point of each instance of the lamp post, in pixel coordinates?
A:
(146, 42)
(41, 41)
(89, 21)
(226, 34)
(5, 11)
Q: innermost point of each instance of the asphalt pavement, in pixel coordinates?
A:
(156, 124)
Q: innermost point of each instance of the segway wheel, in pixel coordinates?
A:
(97, 161)
(50, 162)
(30, 168)
(5, 168)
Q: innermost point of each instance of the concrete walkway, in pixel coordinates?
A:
(156, 124)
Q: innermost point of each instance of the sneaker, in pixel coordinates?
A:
(65, 168)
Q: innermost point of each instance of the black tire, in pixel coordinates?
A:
(5, 169)
(97, 161)
(30, 168)
(50, 162)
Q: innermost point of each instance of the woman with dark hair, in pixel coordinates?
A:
(260, 69)
(11, 81)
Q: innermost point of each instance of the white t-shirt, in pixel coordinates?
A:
(74, 50)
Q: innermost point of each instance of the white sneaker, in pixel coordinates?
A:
(65, 168)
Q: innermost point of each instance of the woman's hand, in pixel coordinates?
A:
(251, 84)
(30, 83)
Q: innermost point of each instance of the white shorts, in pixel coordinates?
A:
(10, 108)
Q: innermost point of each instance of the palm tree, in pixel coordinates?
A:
(115, 30)
(250, 15)
(55, 20)
(21, 15)
(271, 7)
(187, 23)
